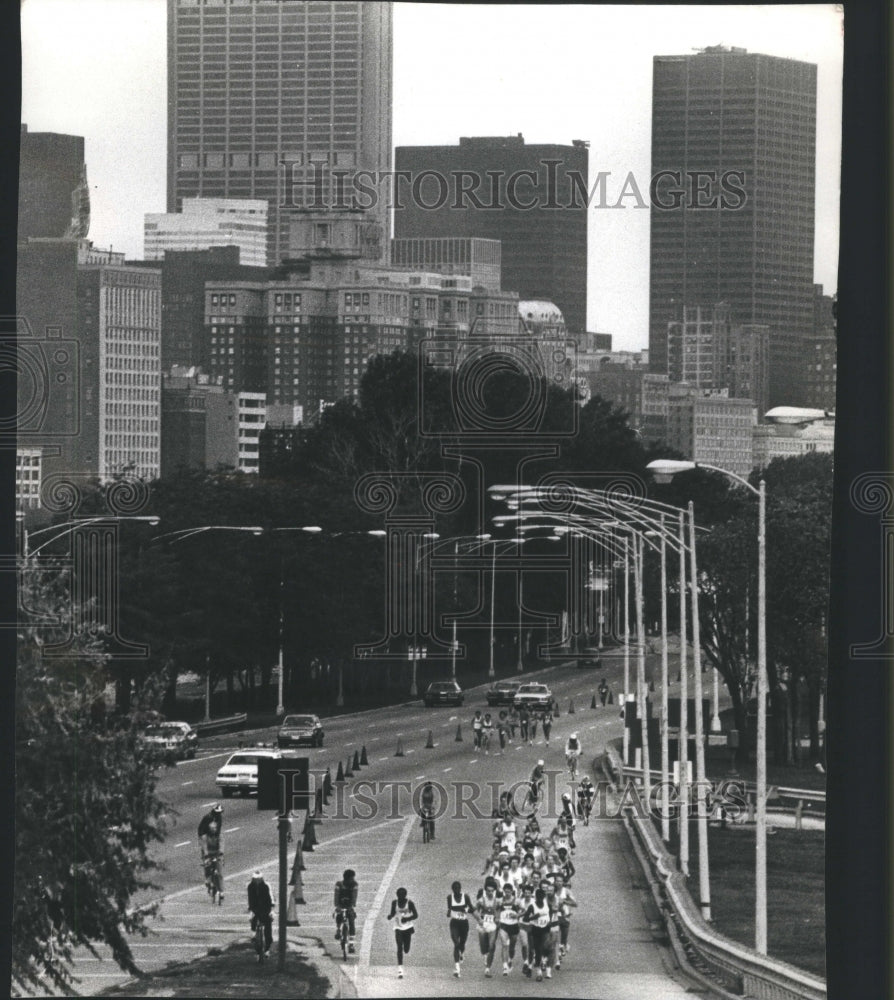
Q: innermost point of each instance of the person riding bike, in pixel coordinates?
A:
(260, 905)
(585, 795)
(537, 780)
(211, 842)
(345, 901)
(573, 751)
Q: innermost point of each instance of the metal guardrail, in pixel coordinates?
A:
(219, 725)
(731, 968)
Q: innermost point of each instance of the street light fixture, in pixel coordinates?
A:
(70, 526)
(667, 467)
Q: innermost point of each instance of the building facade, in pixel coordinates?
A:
(210, 222)
(478, 259)
(54, 199)
(199, 423)
(790, 441)
(821, 353)
(538, 199)
(266, 98)
(119, 329)
(711, 427)
(734, 163)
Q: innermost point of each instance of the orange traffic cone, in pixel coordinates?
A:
(364, 760)
(571, 707)
(340, 774)
(356, 765)
(348, 772)
(430, 745)
(459, 734)
(310, 837)
(593, 702)
(400, 748)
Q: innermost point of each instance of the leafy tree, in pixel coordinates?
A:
(86, 811)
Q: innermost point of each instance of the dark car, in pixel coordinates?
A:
(172, 740)
(591, 658)
(502, 693)
(443, 693)
(298, 729)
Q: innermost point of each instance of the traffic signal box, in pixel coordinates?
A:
(284, 784)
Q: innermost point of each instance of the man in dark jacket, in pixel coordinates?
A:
(260, 904)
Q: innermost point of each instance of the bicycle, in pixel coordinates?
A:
(258, 937)
(341, 930)
(571, 761)
(533, 796)
(214, 878)
(585, 807)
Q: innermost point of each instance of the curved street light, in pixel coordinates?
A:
(668, 468)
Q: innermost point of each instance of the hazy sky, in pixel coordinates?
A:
(554, 73)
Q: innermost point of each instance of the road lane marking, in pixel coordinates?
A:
(210, 756)
(383, 758)
(446, 769)
(182, 783)
(419, 777)
(183, 843)
(382, 892)
(232, 829)
(474, 760)
(204, 804)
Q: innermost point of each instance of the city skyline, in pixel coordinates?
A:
(116, 100)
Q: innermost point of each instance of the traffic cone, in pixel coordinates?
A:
(430, 745)
(611, 697)
(348, 772)
(364, 760)
(299, 859)
(400, 748)
(327, 786)
(340, 774)
(593, 702)
(356, 765)
(556, 711)
(310, 837)
(571, 707)
(459, 734)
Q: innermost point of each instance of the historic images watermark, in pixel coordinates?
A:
(321, 186)
(371, 799)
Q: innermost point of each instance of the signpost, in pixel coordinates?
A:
(284, 785)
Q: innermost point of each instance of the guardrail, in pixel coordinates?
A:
(725, 966)
(221, 725)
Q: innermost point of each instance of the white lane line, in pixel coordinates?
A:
(410, 751)
(182, 783)
(183, 843)
(446, 769)
(204, 804)
(474, 760)
(383, 758)
(382, 892)
(210, 756)
(232, 829)
(419, 777)
(349, 744)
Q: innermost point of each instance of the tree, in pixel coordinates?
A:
(86, 810)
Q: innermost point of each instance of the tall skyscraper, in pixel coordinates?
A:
(54, 200)
(260, 92)
(538, 210)
(742, 230)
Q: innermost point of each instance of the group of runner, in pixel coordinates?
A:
(489, 733)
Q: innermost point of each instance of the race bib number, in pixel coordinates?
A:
(541, 920)
(488, 923)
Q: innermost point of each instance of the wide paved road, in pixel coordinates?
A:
(612, 951)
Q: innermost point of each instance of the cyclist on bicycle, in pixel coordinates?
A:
(211, 842)
(585, 796)
(568, 814)
(537, 780)
(260, 905)
(345, 901)
(572, 752)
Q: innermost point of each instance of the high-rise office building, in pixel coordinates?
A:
(54, 200)
(734, 163)
(538, 199)
(260, 92)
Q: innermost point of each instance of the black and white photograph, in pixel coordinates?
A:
(429, 488)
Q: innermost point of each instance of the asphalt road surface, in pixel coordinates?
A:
(371, 826)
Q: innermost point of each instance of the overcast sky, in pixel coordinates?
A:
(554, 73)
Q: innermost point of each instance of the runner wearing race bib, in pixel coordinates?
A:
(459, 906)
(487, 911)
(537, 916)
(508, 927)
(403, 912)
(564, 901)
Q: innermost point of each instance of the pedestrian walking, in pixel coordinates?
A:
(532, 728)
(403, 912)
(523, 719)
(459, 906)
(477, 726)
(603, 691)
(547, 722)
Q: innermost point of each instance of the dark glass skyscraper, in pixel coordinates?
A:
(751, 119)
(260, 90)
(532, 198)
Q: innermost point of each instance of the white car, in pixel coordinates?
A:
(240, 773)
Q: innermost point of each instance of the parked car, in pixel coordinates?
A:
(173, 740)
(591, 658)
(240, 773)
(298, 729)
(443, 693)
(502, 693)
(533, 696)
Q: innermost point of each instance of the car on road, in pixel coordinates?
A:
(533, 696)
(172, 740)
(443, 693)
(591, 658)
(298, 729)
(502, 693)
(240, 773)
